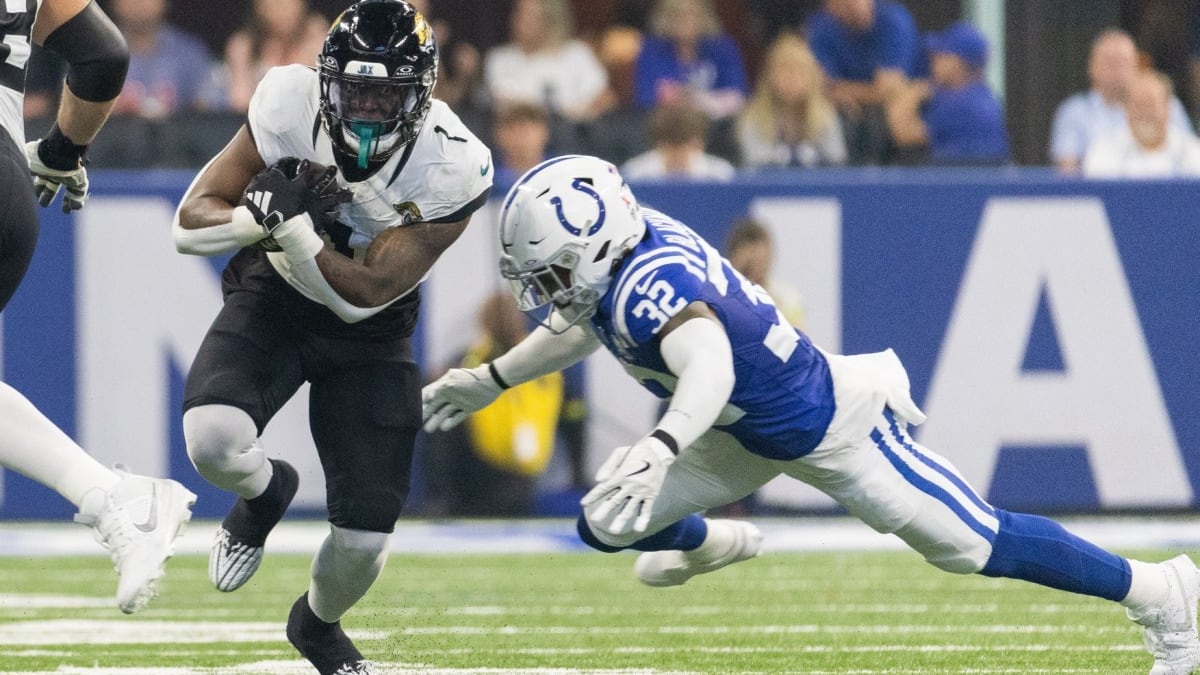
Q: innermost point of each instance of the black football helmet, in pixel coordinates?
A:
(377, 71)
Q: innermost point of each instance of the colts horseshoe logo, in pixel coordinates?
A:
(582, 186)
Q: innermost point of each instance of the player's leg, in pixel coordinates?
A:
(29, 442)
(18, 219)
(247, 367)
(364, 419)
(32, 445)
(713, 471)
(896, 485)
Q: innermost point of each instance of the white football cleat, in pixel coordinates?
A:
(138, 521)
(237, 550)
(728, 541)
(232, 562)
(1170, 629)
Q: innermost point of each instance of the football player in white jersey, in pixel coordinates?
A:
(324, 289)
(750, 398)
(137, 518)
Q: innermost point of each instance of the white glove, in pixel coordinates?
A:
(47, 181)
(630, 480)
(447, 401)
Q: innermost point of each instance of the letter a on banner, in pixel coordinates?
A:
(1106, 397)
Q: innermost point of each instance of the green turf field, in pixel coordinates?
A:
(574, 613)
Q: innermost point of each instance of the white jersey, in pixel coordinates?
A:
(442, 175)
(16, 24)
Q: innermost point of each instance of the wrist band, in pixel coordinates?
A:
(667, 440)
(496, 376)
(58, 152)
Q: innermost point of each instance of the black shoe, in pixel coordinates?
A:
(237, 550)
(325, 645)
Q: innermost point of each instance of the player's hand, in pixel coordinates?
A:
(278, 193)
(326, 198)
(630, 480)
(52, 173)
(446, 402)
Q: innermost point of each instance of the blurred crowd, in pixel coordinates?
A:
(694, 89)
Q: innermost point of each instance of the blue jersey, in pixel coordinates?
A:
(782, 399)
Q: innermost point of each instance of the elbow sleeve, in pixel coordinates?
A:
(96, 52)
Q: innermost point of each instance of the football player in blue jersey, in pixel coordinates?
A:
(750, 398)
(136, 517)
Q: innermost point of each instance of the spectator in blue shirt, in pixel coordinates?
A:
(1100, 111)
(169, 70)
(956, 119)
(868, 49)
(688, 58)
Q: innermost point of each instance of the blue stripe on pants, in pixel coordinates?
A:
(930, 488)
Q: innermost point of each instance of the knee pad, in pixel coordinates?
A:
(360, 544)
(216, 435)
(952, 552)
(349, 552)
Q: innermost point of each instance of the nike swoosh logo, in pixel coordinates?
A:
(152, 520)
(644, 469)
(483, 170)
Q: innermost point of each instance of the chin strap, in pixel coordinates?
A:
(366, 136)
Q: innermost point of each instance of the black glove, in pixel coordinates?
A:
(327, 197)
(277, 194)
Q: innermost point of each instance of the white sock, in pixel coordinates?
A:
(1148, 587)
(32, 445)
(346, 565)
(715, 544)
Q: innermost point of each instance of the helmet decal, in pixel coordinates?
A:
(422, 29)
(557, 253)
(586, 188)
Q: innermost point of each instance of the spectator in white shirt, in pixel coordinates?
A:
(544, 65)
(1086, 116)
(678, 131)
(1148, 146)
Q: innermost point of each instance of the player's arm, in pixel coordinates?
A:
(97, 58)
(696, 349)
(208, 220)
(395, 262)
(461, 391)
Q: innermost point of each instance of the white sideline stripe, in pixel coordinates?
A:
(803, 533)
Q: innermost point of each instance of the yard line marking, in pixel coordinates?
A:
(881, 629)
(98, 632)
(303, 668)
(35, 601)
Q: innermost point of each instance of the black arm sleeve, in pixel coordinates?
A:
(96, 52)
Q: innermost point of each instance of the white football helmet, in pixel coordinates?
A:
(566, 224)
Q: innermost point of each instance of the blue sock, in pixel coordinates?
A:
(1032, 548)
(683, 535)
